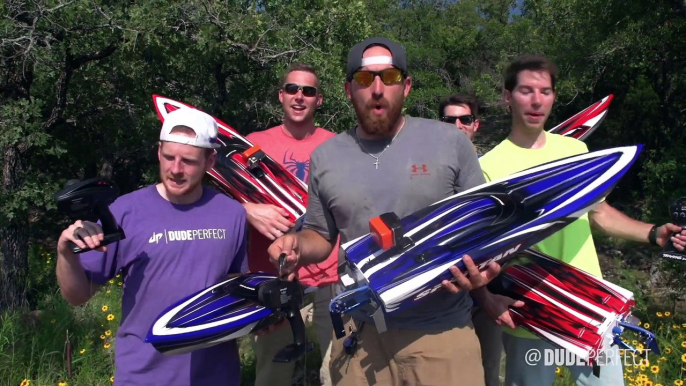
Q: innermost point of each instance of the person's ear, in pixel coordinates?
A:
(408, 86)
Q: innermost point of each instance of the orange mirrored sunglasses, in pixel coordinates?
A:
(388, 76)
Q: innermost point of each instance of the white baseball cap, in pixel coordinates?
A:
(203, 124)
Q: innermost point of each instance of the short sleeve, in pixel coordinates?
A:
(487, 177)
(318, 216)
(582, 147)
(469, 170)
(240, 259)
(101, 266)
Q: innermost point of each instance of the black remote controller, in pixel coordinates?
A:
(678, 211)
(89, 200)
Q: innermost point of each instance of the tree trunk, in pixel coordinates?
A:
(14, 239)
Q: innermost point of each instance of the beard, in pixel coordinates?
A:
(172, 189)
(375, 125)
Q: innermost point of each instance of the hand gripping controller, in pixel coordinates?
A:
(285, 298)
(89, 200)
(678, 211)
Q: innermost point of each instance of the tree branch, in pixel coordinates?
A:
(70, 65)
(103, 53)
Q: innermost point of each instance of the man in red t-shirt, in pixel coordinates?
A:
(291, 144)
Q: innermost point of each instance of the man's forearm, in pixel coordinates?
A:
(314, 248)
(615, 223)
(74, 285)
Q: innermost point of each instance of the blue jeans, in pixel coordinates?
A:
(520, 373)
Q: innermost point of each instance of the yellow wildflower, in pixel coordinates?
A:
(112, 379)
(111, 281)
(662, 359)
(679, 382)
(675, 326)
(668, 350)
(102, 337)
(106, 345)
(118, 275)
(557, 370)
(110, 317)
(683, 358)
(62, 384)
(25, 382)
(645, 362)
(119, 284)
(659, 314)
(667, 313)
(683, 325)
(655, 369)
(108, 332)
(643, 368)
(646, 325)
(105, 308)
(108, 291)
(683, 344)
(83, 351)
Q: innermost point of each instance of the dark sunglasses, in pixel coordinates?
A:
(292, 89)
(464, 119)
(388, 76)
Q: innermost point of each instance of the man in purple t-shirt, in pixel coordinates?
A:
(181, 237)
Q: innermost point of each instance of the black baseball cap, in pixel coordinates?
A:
(355, 55)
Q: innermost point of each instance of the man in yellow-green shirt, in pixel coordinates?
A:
(530, 94)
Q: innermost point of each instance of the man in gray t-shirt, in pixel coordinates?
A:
(426, 162)
(391, 163)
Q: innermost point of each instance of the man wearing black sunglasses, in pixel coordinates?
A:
(462, 111)
(391, 162)
(291, 144)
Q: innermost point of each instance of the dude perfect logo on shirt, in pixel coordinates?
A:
(187, 235)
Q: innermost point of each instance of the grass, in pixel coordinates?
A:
(34, 346)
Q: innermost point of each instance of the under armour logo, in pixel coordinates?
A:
(155, 238)
(420, 169)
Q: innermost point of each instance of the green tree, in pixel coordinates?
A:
(45, 44)
(78, 77)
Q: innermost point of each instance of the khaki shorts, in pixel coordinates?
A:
(408, 357)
